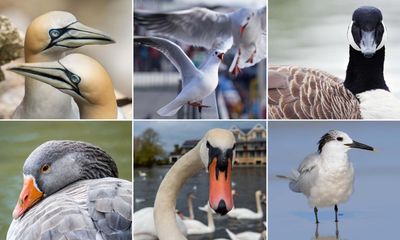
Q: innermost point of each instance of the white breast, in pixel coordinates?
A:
(379, 104)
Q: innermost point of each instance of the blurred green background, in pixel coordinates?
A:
(19, 139)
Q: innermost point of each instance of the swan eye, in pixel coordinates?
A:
(45, 168)
(208, 144)
(339, 139)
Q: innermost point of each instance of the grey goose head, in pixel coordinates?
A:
(367, 32)
(57, 164)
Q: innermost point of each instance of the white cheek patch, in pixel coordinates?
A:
(384, 37)
(350, 38)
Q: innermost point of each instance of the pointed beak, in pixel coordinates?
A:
(77, 35)
(242, 28)
(220, 193)
(28, 197)
(360, 146)
(368, 43)
(52, 73)
(221, 56)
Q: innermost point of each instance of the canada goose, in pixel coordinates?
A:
(296, 92)
(48, 38)
(81, 77)
(215, 152)
(71, 191)
(204, 27)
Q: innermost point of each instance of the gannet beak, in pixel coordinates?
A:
(29, 196)
(52, 73)
(76, 35)
(220, 195)
(221, 56)
(356, 144)
(242, 28)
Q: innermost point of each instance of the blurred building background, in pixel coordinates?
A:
(156, 81)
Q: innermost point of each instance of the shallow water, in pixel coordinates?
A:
(372, 211)
(312, 33)
(19, 139)
(246, 180)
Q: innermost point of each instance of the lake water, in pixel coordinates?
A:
(312, 33)
(19, 139)
(372, 211)
(246, 181)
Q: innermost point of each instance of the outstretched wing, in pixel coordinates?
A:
(195, 26)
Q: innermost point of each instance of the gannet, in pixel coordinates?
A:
(48, 38)
(81, 77)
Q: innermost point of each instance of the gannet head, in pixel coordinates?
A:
(217, 151)
(77, 75)
(338, 141)
(367, 32)
(56, 32)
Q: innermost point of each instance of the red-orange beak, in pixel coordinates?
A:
(28, 197)
(221, 56)
(220, 195)
(242, 29)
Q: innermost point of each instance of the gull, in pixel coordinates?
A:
(203, 27)
(197, 84)
(326, 177)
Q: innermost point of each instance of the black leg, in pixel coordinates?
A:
(316, 215)
(316, 231)
(336, 212)
(337, 230)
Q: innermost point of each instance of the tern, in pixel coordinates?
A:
(326, 177)
(204, 27)
(197, 83)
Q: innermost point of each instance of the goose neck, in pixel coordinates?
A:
(364, 74)
(165, 203)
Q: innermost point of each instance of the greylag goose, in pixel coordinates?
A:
(71, 191)
(303, 93)
(48, 38)
(81, 77)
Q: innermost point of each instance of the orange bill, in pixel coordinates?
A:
(29, 195)
(220, 195)
(242, 29)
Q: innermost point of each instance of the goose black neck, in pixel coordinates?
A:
(365, 74)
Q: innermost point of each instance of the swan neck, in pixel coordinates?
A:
(258, 204)
(165, 203)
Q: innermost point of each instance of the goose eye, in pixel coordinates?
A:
(54, 33)
(45, 168)
(75, 78)
(339, 139)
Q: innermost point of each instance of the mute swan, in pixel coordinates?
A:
(71, 191)
(215, 152)
(195, 227)
(244, 213)
(244, 235)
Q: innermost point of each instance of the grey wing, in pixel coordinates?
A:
(60, 216)
(196, 26)
(110, 207)
(172, 51)
(303, 93)
(305, 175)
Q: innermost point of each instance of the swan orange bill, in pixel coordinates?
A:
(220, 195)
(29, 195)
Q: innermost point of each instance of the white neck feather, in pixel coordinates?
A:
(379, 104)
(165, 203)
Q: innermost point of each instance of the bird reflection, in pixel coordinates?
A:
(334, 237)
